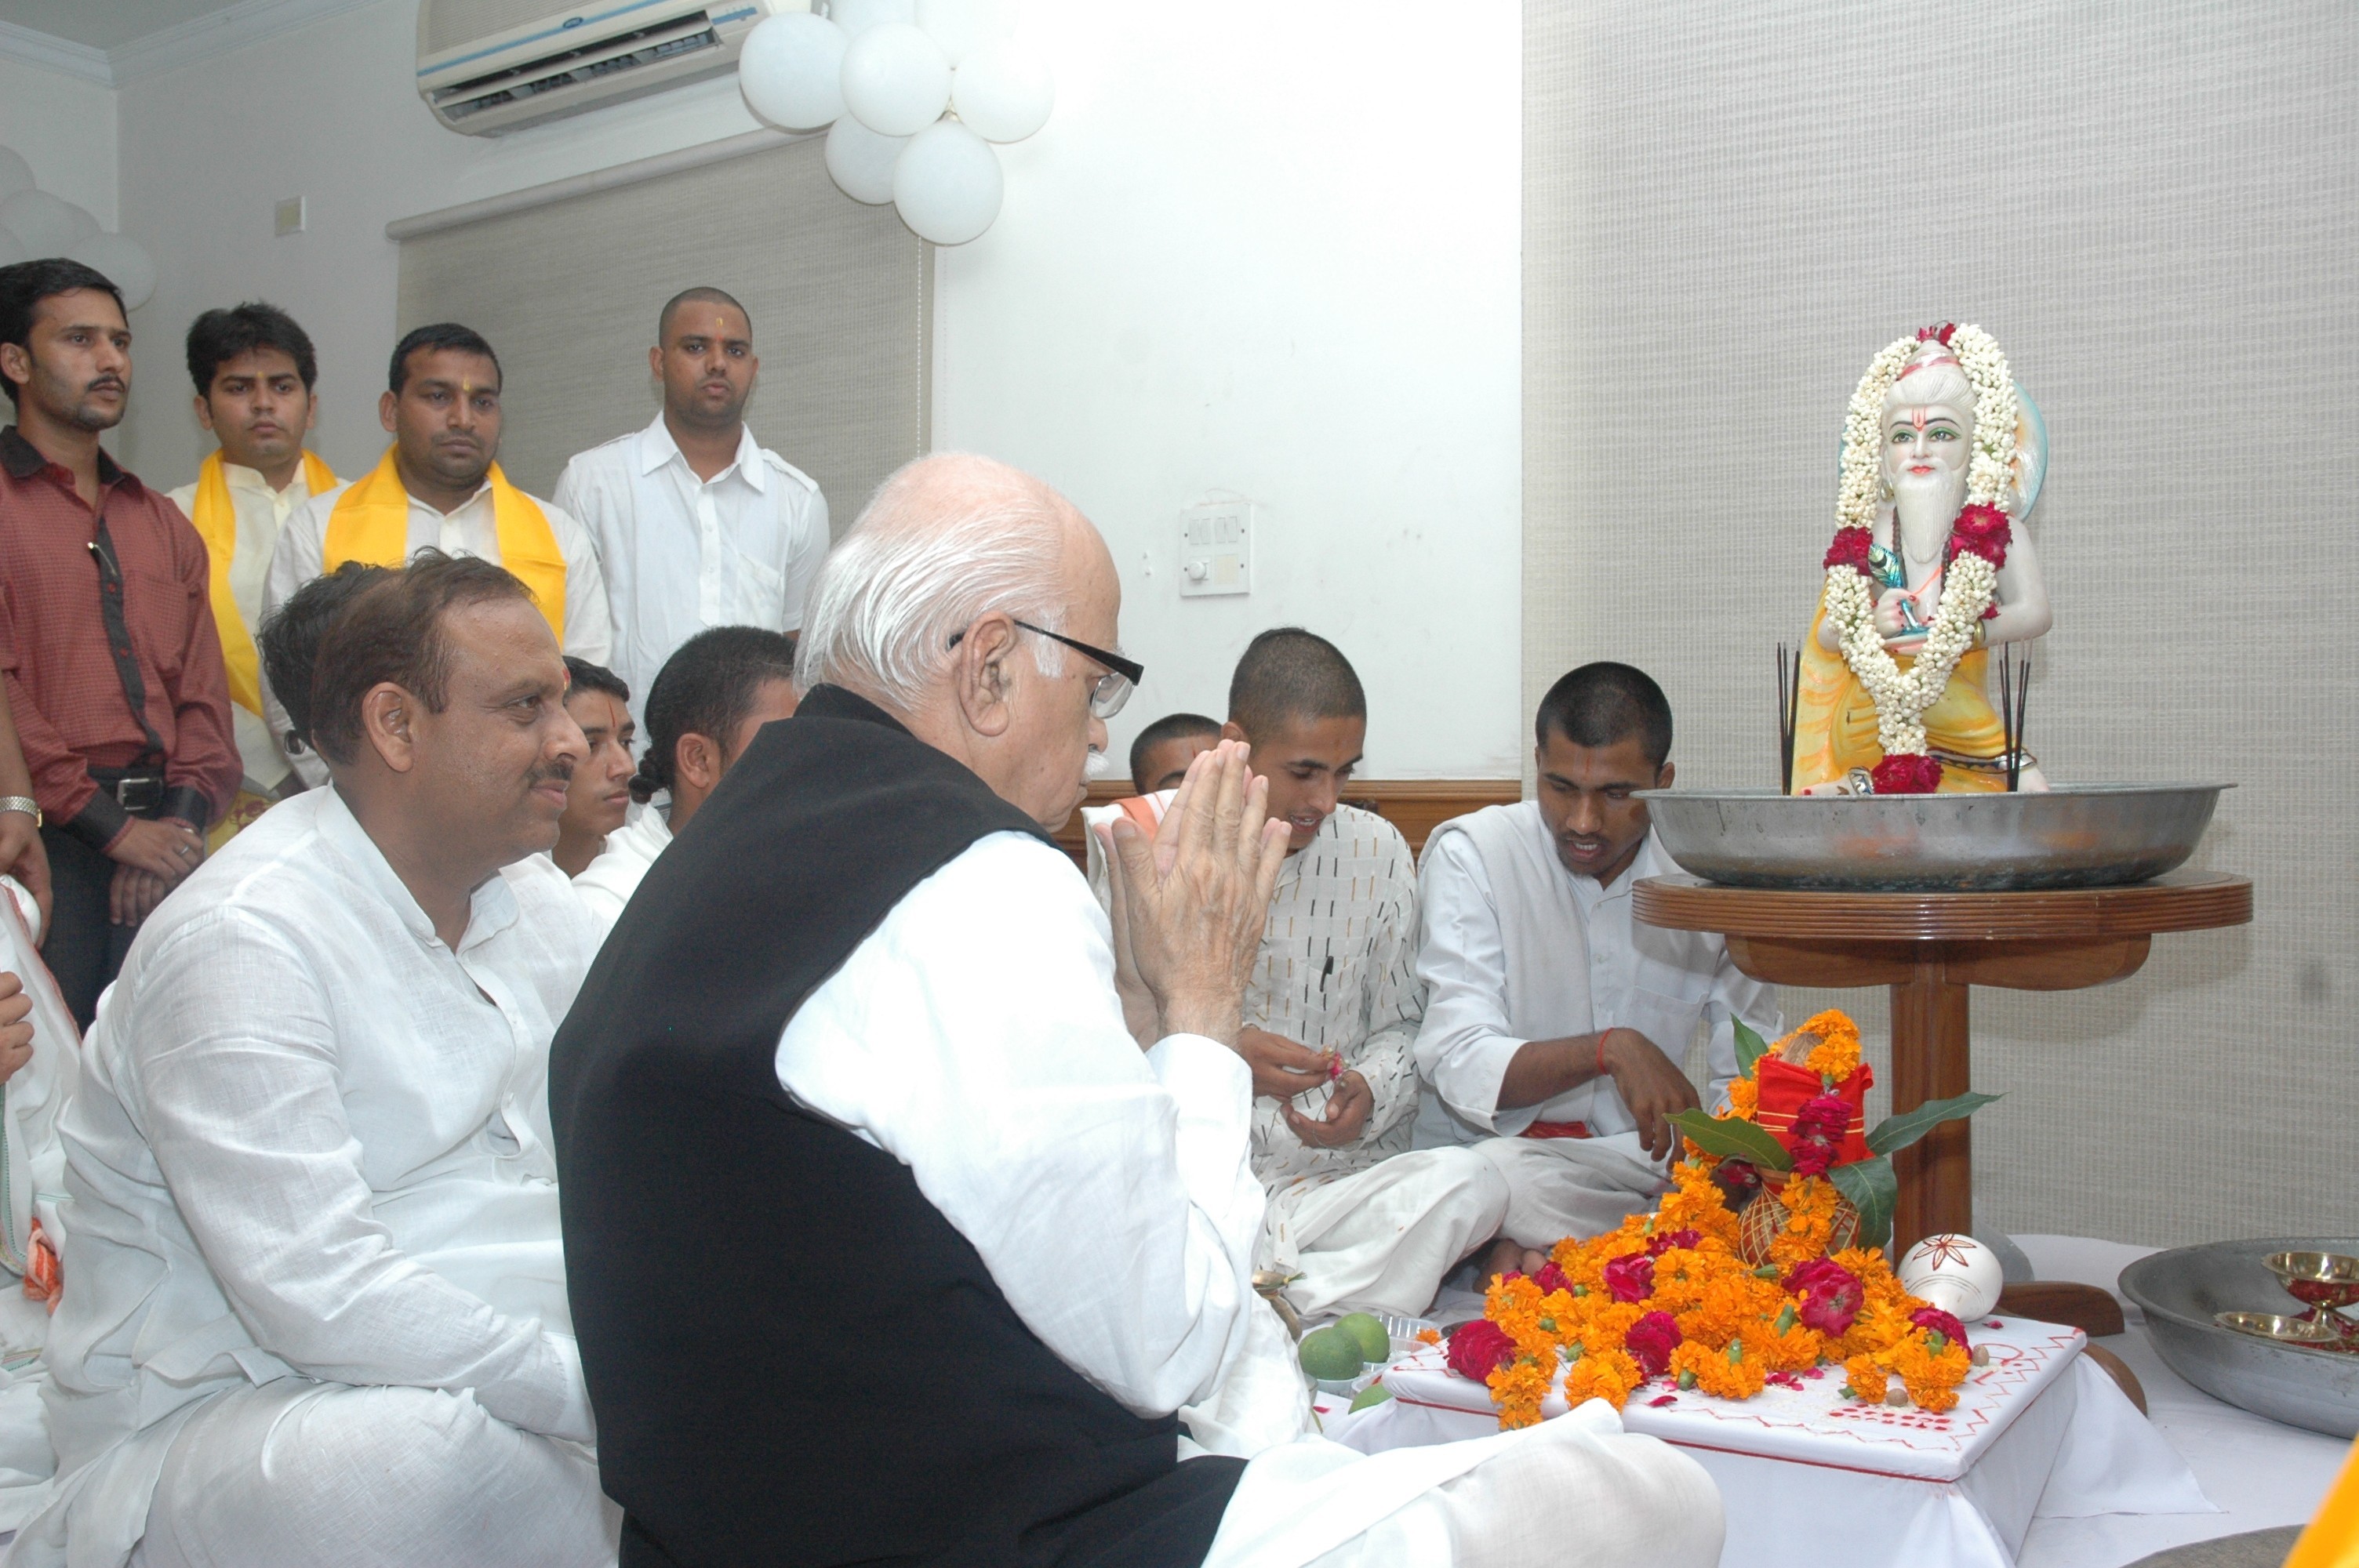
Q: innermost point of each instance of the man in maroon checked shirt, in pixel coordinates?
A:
(114, 667)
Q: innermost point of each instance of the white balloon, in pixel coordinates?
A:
(16, 174)
(947, 184)
(895, 79)
(125, 262)
(84, 225)
(1003, 92)
(1956, 1274)
(791, 70)
(12, 249)
(861, 162)
(45, 223)
(960, 27)
(856, 16)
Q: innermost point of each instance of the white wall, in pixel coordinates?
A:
(1233, 263)
(1230, 264)
(64, 126)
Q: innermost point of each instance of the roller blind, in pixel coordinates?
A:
(568, 294)
(1728, 209)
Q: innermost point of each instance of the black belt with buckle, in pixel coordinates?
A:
(137, 792)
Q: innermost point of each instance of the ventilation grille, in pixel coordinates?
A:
(610, 57)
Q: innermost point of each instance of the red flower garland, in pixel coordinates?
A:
(1982, 529)
(1907, 775)
(1850, 549)
(1939, 334)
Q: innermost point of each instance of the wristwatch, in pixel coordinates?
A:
(25, 804)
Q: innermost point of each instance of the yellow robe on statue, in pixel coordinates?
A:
(1834, 722)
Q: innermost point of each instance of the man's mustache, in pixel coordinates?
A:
(106, 384)
(558, 772)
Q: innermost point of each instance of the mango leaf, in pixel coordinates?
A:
(1873, 1189)
(1733, 1139)
(1750, 1047)
(1896, 1132)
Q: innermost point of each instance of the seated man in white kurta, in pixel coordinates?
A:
(318, 1309)
(710, 698)
(40, 1063)
(1555, 1022)
(964, 1250)
(1360, 1223)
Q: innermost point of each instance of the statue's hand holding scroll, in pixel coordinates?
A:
(1195, 898)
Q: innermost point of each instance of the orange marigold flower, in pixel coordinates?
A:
(1743, 1099)
(1428, 1337)
(1836, 1055)
(1866, 1378)
(1609, 1375)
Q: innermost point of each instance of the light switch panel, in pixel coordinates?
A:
(1216, 549)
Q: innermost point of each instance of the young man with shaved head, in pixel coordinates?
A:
(697, 523)
(950, 1174)
(1354, 1220)
(1555, 1022)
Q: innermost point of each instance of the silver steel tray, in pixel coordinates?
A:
(2179, 1291)
(2080, 836)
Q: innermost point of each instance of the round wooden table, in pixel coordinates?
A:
(1931, 949)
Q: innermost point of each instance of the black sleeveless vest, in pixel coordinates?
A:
(794, 1357)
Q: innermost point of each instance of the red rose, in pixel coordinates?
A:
(1787, 1088)
(1907, 775)
(1738, 1175)
(1981, 530)
(1941, 1321)
(1850, 549)
(1651, 1340)
(1662, 1242)
(1631, 1278)
(1479, 1348)
(1826, 1117)
(1811, 1157)
(1551, 1279)
(1827, 1295)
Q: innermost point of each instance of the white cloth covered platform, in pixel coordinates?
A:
(1915, 1489)
(2079, 1481)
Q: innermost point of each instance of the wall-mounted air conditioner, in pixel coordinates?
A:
(486, 67)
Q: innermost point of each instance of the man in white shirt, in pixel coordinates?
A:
(697, 525)
(965, 1255)
(1555, 1024)
(318, 1309)
(256, 373)
(710, 698)
(1355, 1220)
(439, 485)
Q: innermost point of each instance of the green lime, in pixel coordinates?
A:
(1369, 1334)
(1330, 1353)
(1374, 1394)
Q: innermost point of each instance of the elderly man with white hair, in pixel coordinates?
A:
(886, 1239)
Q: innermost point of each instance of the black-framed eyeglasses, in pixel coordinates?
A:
(1110, 690)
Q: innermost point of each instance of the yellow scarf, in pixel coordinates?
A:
(216, 521)
(371, 523)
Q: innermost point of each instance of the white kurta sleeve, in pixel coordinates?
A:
(1464, 1044)
(589, 623)
(295, 560)
(976, 1036)
(237, 1094)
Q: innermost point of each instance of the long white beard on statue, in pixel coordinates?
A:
(1923, 511)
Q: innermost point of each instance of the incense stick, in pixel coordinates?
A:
(2014, 697)
(1789, 699)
